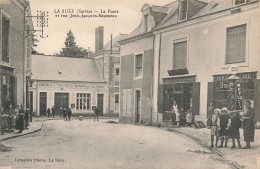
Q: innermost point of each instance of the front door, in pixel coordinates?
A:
(137, 106)
(100, 103)
(43, 103)
(61, 100)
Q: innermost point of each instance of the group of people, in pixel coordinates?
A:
(14, 118)
(179, 117)
(225, 125)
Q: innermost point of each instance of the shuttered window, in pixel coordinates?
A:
(183, 10)
(236, 44)
(5, 39)
(180, 55)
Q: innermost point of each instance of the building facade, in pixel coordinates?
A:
(15, 52)
(107, 57)
(67, 83)
(137, 68)
(202, 53)
(207, 57)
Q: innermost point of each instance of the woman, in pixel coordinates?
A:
(20, 120)
(248, 124)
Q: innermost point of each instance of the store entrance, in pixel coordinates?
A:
(181, 93)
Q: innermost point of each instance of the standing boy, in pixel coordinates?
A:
(213, 124)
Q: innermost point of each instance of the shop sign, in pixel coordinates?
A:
(250, 75)
(60, 85)
(239, 97)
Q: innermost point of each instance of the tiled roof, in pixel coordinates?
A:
(64, 69)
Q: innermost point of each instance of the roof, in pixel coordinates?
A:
(65, 69)
(201, 8)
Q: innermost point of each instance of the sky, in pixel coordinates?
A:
(128, 18)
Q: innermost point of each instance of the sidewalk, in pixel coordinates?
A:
(240, 158)
(34, 126)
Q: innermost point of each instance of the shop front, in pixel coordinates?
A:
(232, 90)
(185, 91)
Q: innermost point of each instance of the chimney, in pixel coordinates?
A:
(99, 38)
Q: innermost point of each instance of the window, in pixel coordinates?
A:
(127, 102)
(236, 44)
(180, 55)
(116, 102)
(117, 71)
(145, 23)
(138, 65)
(83, 101)
(5, 39)
(238, 2)
(183, 10)
(116, 89)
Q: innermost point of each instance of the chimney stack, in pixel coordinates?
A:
(99, 32)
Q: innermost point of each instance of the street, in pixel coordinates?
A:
(88, 144)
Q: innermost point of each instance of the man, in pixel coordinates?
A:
(53, 111)
(20, 120)
(26, 118)
(65, 114)
(48, 112)
(96, 111)
(69, 113)
(248, 124)
(2, 120)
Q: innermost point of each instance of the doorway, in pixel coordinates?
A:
(61, 100)
(100, 101)
(137, 105)
(43, 103)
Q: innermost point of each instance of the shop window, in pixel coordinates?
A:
(83, 101)
(127, 103)
(5, 39)
(138, 65)
(249, 90)
(183, 9)
(180, 55)
(236, 44)
(117, 71)
(116, 102)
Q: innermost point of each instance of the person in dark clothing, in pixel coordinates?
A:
(26, 119)
(224, 123)
(64, 114)
(53, 111)
(96, 111)
(248, 124)
(48, 112)
(3, 117)
(234, 129)
(20, 120)
(69, 113)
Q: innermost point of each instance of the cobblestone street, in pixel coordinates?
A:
(89, 144)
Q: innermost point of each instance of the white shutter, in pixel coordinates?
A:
(129, 105)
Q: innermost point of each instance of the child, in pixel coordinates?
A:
(189, 118)
(224, 123)
(213, 124)
(234, 129)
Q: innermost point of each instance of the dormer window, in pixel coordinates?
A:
(145, 23)
(183, 9)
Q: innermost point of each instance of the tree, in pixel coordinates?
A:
(71, 49)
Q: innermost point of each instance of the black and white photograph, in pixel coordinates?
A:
(119, 84)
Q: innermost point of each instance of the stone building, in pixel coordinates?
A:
(15, 52)
(202, 52)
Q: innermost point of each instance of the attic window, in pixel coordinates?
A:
(238, 2)
(145, 23)
(59, 72)
(183, 10)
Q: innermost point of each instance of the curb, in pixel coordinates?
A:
(234, 164)
(15, 136)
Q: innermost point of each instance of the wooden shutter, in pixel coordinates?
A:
(14, 90)
(124, 102)
(210, 98)
(129, 103)
(257, 99)
(180, 55)
(196, 98)
(236, 44)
